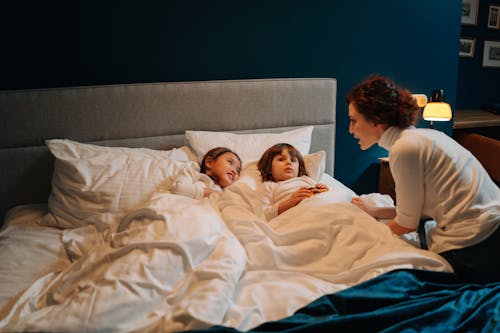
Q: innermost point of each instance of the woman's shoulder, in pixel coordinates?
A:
(414, 137)
(410, 144)
(408, 139)
(422, 137)
(417, 142)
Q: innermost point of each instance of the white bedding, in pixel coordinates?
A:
(323, 245)
(180, 264)
(21, 240)
(174, 267)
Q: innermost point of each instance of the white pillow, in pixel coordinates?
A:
(249, 147)
(315, 164)
(89, 180)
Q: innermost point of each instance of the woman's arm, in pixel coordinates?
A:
(397, 229)
(376, 212)
(406, 159)
(383, 213)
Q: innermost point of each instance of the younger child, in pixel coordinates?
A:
(220, 168)
(286, 182)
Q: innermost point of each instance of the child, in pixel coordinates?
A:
(220, 168)
(286, 184)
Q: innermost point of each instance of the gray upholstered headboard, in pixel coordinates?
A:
(151, 115)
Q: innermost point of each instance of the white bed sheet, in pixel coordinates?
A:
(323, 245)
(177, 265)
(21, 241)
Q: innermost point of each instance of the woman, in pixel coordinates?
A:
(435, 177)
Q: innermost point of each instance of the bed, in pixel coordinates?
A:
(92, 240)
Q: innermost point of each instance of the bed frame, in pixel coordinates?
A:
(152, 115)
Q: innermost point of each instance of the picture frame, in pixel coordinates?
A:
(493, 17)
(469, 12)
(467, 47)
(491, 54)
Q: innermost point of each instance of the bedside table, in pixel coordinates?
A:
(385, 180)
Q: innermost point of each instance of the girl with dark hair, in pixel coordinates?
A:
(285, 178)
(435, 178)
(219, 168)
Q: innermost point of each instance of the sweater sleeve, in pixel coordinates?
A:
(407, 168)
(191, 190)
(191, 183)
(269, 206)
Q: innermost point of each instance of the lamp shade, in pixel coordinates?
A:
(437, 109)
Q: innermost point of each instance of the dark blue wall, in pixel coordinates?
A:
(415, 42)
(478, 85)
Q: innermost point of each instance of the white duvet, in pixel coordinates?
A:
(180, 264)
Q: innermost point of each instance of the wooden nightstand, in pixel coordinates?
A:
(385, 180)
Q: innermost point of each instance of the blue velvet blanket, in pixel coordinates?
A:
(398, 301)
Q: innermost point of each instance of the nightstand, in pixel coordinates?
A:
(385, 180)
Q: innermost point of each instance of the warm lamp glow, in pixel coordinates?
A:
(437, 111)
(421, 99)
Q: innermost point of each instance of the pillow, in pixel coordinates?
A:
(315, 164)
(92, 180)
(249, 147)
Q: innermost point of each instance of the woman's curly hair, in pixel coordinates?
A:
(381, 101)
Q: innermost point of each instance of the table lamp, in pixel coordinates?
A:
(437, 109)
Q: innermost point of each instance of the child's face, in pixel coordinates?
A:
(285, 166)
(225, 169)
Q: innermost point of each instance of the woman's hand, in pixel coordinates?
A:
(397, 229)
(376, 212)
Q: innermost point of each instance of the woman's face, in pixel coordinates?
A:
(225, 169)
(284, 166)
(362, 129)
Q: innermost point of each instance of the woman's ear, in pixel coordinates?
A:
(381, 127)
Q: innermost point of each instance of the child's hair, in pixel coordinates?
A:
(265, 163)
(214, 154)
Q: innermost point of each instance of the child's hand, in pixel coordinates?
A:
(318, 188)
(301, 194)
(296, 197)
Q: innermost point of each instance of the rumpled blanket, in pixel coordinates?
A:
(174, 266)
(176, 263)
(323, 245)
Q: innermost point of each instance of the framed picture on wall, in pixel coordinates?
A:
(467, 46)
(491, 54)
(469, 12)
(493, 19)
